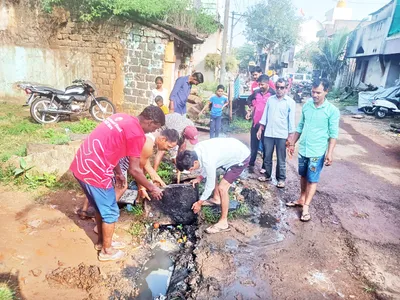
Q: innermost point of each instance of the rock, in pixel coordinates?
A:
(49, 158)
(175, 207)
(358, 117)
(194, 99)
(78, 136)
(35, 223)
(36, 272)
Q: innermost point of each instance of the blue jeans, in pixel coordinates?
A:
(215, 126)
(311, 167)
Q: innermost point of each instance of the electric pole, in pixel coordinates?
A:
(231, 37)
(224, 42)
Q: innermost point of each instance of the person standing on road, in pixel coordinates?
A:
(227, 153)
(278, 121)
(181, 92)
(217, 102)
(96, 163)
(318, 131)
(257, 102)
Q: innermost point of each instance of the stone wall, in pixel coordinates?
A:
(122, 58)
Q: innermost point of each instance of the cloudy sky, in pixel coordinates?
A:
(311, 8)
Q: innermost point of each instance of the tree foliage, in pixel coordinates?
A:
(327, 55)
(244, 55)
(213, 61)
(273, 24)
(176, 12)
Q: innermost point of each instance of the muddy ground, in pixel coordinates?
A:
(349, 250)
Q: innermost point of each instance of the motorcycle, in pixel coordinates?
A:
(385, 107)
(47, 105)
(297, 92)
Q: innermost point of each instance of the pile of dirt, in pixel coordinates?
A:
(83, 277)
(252, 197)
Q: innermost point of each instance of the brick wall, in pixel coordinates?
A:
(143, 62)
(125, 57)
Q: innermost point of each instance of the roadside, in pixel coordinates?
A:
(349, 250)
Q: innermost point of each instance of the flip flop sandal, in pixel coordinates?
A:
(305, 217)
(83, 214)
(264, 179)
(214, 229)
(110, 257)
(115, 245)
(293, 204)
(280, 185)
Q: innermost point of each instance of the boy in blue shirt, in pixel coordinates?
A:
(217, 103)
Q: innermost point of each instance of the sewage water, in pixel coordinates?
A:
(156, 275)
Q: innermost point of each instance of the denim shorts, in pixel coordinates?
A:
(104, 201)
(311, 167)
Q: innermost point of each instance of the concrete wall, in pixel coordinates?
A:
(122, 58)
(393, 68)
(212, 44)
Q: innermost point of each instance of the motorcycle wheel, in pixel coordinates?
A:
(368, 110)
(107, 109)
(380, 114)
(43, 118)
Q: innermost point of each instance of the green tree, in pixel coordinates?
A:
(328, 55)
(178, 13)
(244, 55)
(273, 24)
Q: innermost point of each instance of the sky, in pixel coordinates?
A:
(311, 8)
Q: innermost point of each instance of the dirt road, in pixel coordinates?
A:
(350, 249)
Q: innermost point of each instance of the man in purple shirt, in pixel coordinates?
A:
(181, 92)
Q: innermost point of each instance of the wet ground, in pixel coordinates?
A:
(349, 250)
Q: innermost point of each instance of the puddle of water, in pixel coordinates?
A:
(156, 275)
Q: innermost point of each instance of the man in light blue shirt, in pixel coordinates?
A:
(278, 120)
(318, 131)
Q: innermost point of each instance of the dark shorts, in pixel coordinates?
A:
(104, 201)
(311, 167)
(234, 172)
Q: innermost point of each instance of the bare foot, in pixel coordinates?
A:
(212, 202)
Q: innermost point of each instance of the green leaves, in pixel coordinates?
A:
(273, 24)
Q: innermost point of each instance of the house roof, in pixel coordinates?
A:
(382, 8)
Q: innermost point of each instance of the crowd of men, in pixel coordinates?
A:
(123, 144)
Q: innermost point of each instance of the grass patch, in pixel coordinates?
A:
(210, 216)
(83, 126)
(56, 137)
(240, 125)
(6, 293)
(137, 210)
(210, 86)
(137, 229)
(165, 171)
(369, 289)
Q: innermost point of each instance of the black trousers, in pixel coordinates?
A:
(269, 146)
(254, 143)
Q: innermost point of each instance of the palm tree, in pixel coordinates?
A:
(330, 54)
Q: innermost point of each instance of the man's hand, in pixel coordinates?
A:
(156, 193)
(196, 181)
(157, 179)
(196, 207)
(248, 115)
(328, 160)
(259, 132)
(120, 181)
(143, 194)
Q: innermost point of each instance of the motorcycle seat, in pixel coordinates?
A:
(49, 89)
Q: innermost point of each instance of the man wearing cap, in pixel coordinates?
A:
(186, 130)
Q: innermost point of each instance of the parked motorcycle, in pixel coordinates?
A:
(48, 104)
(385, 107)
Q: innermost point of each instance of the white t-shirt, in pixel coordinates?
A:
(163, 94)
